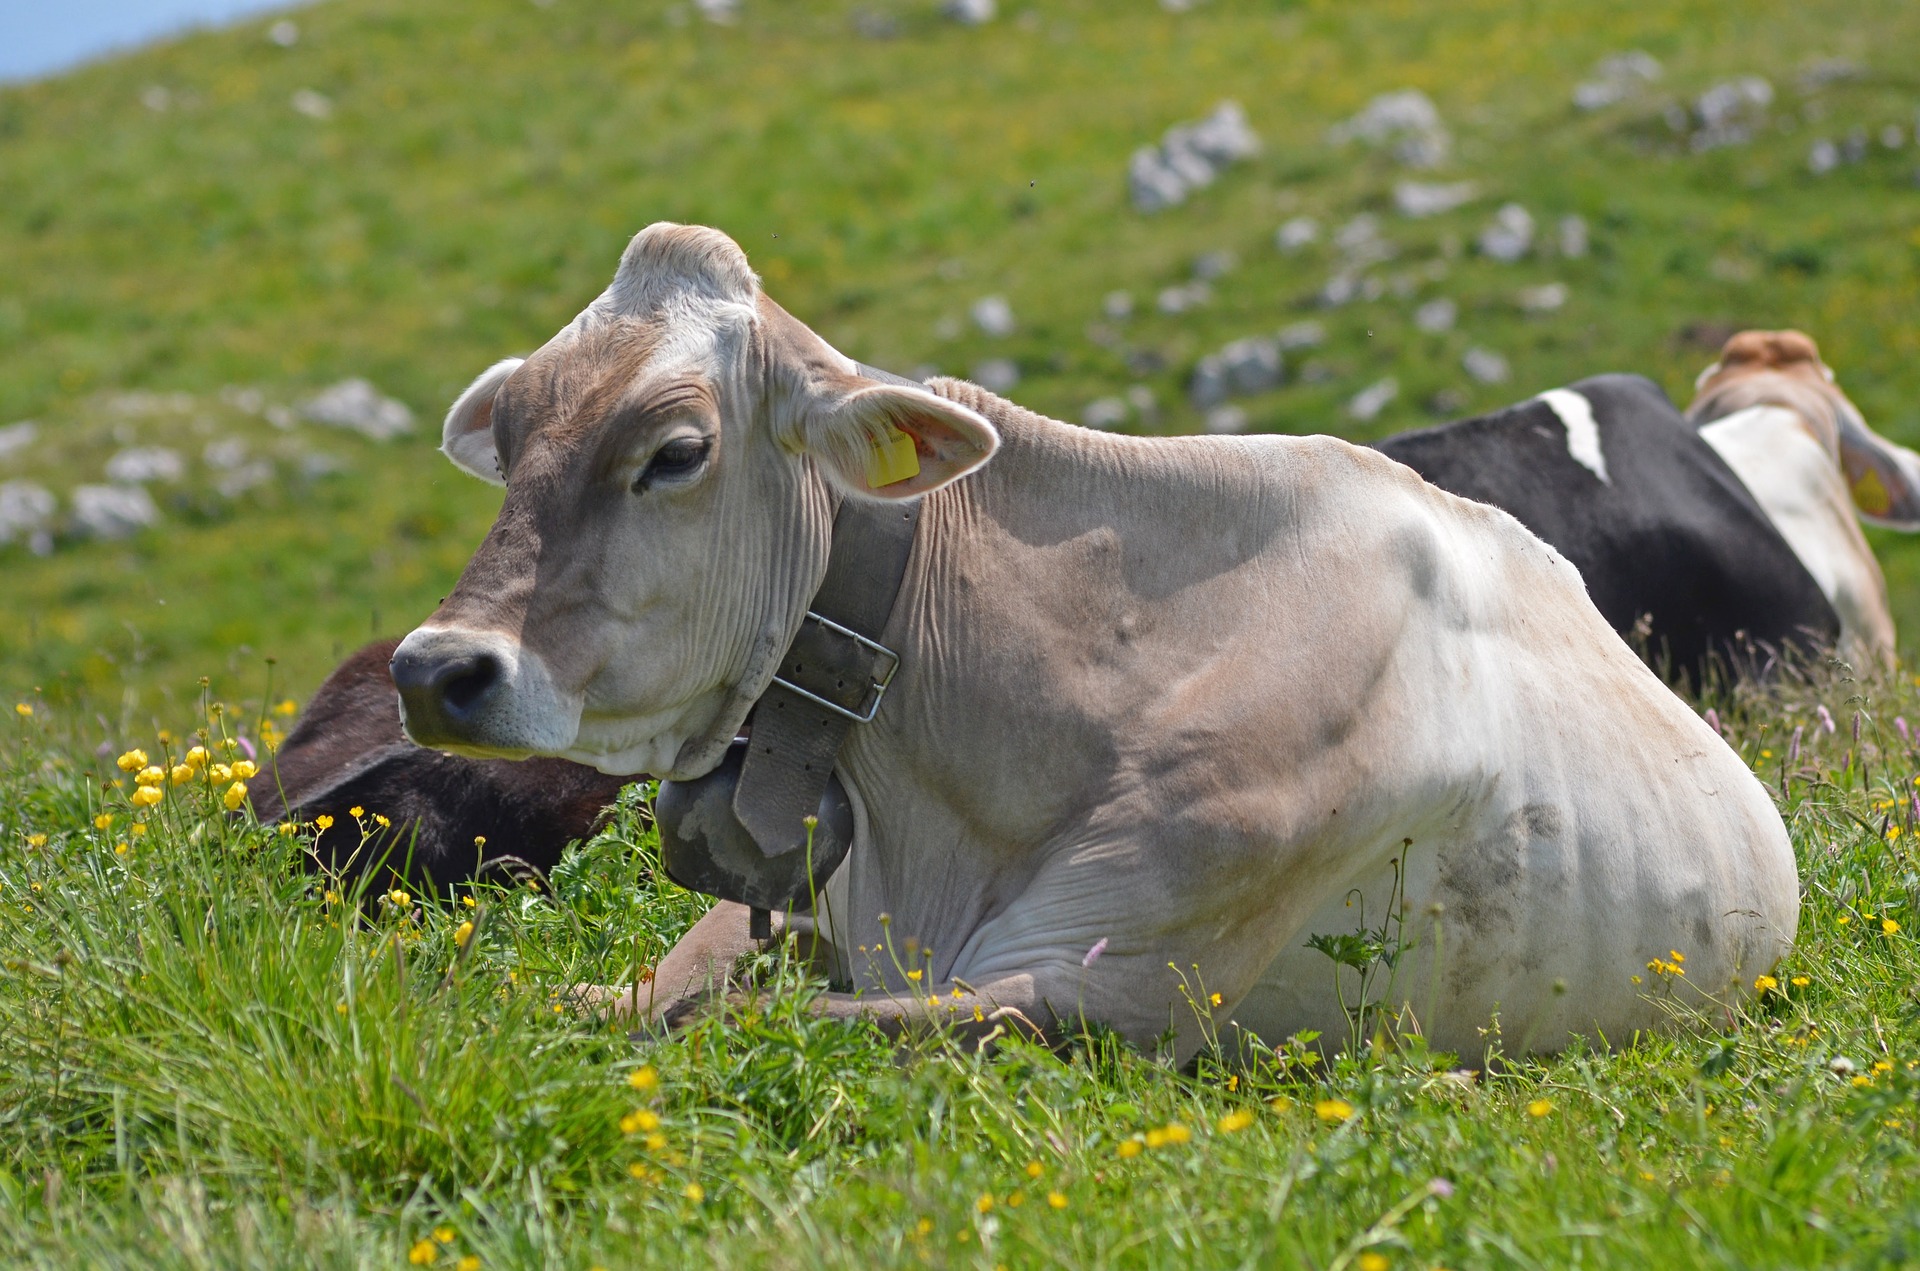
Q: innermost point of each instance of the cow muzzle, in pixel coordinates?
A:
(477, 692)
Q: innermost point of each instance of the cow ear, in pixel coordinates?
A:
(467, 436)
(886, 441)
(1884, 478)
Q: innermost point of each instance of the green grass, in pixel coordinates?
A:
(486, 161)
(209, 1061)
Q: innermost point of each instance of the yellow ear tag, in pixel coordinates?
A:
(1870, 495)
(891, 458)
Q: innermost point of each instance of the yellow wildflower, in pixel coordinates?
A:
(1130, 1148)
(197, 757)
(1862, 1080)
(470, 1262)
(1371, 1261)
(323, 823)
(1888, 926)
(1176, 1133)
(381, 821)
(103, 821)
(180, 774)
(132, 761)
(145, 797)
(398, 898)
(220, 774)
(639, 1170)
(235, 796)
(1015, 1199)
(1764, 983)
(1333, 1109)
(1057, 1200)
(23, 710)
(985, 1203)
(914, 975)
(1539, 1107)
(1034, 1169)
(636, 1122)
(695, 1193)
(285, 829)
(151, 775)
(1844, 919)
(1881, 1065)
(463, 933)
(1800, 981)
(244, 770)
(356, 812)
(121, 848)
(423, 1253)
(1893, 832)
(1235, 1121)
(287, 707)
(655, 1141)
(643, 1077)
(443, 1235)
(36, 840)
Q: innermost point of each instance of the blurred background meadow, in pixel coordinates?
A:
(246, 269)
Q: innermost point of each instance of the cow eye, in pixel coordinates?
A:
(674, 461)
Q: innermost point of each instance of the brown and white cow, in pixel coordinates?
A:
(1165, 707)
(1774, 411)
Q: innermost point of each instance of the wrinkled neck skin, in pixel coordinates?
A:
(1038, 702)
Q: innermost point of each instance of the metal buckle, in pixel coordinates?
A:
(879, 683)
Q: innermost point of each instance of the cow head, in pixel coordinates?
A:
(1783, 368)
(672, 463)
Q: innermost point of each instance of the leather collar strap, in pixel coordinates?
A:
(833, 674)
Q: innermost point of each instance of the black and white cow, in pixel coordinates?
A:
(1660, 527)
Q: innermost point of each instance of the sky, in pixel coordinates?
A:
(45, 37)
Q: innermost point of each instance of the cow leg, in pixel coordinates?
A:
(698, 967)
(980, 1015)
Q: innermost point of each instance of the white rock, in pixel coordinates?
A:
(1509, 235)
(285, 33)
(1342, 288)
(1543, 299)
(25, 510)
(1893, 137)
(236, 481)
(1436, 316)
(1823, 158)
(15, 438)
(719, 12)
(313, 105)
(994, 316)
(969, 12)
(1210, 265)
(1407, 120)
(1225, 420)
(1118, 305)
(1431, 198)
(1296, 233)
(1729, 113)
(1189, 157)
(113, 511)
(1818, 74)
(1144, 404)
(1485, 365)
(146, 463)
(1299, 335)
(1615, 79)
(1177, 300)
(1573, 237)
(1371, 400)
(1249, 365)
(155, 98)
(1104, 413)
(358, 405)
(996, 374)
(1360, 242)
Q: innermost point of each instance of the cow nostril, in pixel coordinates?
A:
(470, 682)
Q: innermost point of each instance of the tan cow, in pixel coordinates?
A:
(1774, 411)
(1165, 707)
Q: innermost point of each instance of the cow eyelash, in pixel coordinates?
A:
(675, 460)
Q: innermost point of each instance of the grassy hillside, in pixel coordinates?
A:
(174, 224)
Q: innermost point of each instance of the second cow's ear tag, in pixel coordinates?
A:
(891, 458)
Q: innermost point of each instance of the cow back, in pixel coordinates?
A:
(348, 751)
(1670, 534)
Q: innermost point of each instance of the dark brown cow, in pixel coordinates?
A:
(348, 751)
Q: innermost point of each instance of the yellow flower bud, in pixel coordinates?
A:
(235, 796)
(131, 760)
